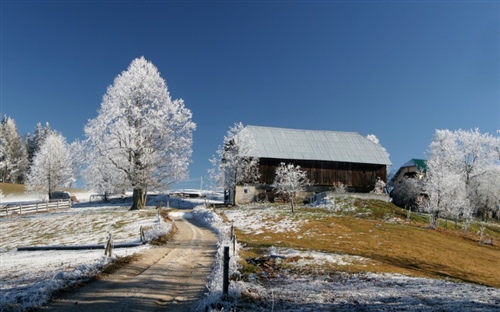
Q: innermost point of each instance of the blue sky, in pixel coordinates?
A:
(398, 70)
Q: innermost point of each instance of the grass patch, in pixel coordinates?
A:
(15, 189)
(380, 232)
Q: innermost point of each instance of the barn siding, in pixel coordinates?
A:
(359, 177)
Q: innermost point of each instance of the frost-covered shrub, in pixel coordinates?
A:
(159, 229)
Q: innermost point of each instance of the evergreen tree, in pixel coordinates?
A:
(13, 155)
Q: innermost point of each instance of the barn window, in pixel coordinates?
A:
(245, 191)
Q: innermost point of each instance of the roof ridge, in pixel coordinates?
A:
(305, 130)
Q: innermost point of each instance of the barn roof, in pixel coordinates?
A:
(299, 144)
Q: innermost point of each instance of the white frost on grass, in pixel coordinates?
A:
(369, 292)
(28, 278)
(327, 290)
(308, 258)
(254, 220)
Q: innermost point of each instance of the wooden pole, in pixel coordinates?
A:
(225, 282)
(234, 245)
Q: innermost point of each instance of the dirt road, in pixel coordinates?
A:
(168, 278)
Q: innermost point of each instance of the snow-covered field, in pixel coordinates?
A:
(28, 278)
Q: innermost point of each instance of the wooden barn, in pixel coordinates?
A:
(329, 157)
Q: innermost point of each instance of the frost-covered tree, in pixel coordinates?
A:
(233, 165)
(101, 176)
(52, 165)
(13, 154)
(485, 193)
(141, 132)
(289, 181)
(406, 192)
(33, 142)
(374, 139)
(455, 159)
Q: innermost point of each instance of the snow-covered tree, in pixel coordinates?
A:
(13, 154)
(374, 139)
(289, 181)
(455, 159)
(406, 192)
(33, 142)
(101, 176)
(52, 165)
(485, 193)
(141, 132)
(233, 164)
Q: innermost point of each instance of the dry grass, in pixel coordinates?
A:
(14, 189)
(380, 231)
(20, 189)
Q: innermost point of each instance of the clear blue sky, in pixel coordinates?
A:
(395, 69)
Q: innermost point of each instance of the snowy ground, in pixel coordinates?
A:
(28, 278)
(329, 291)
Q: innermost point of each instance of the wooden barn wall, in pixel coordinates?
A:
(360, 177)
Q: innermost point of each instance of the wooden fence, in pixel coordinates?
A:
(35, 207)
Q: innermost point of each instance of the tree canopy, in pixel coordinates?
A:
(143, 135)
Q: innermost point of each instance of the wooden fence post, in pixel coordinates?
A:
(234, 245)
(141, 232)
(225, 281)
(108, 251)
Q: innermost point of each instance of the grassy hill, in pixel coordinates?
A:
(381, 232)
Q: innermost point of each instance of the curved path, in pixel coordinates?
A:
(167, 278)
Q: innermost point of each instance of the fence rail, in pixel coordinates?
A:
(35, 207)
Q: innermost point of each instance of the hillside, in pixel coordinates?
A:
(378, 232)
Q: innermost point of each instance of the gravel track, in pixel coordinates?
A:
(167, 278)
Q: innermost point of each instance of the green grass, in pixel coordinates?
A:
(381, 232)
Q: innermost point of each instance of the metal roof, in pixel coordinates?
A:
(420, 164)
(299, 144)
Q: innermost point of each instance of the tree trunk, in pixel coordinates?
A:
(139, 198)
